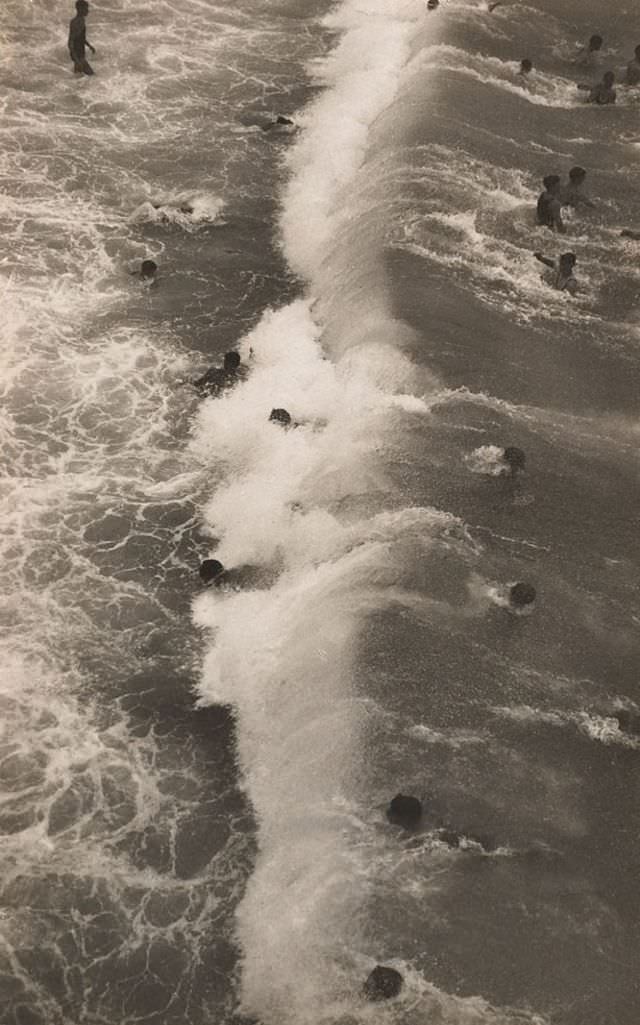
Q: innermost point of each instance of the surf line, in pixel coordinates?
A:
(283, 657)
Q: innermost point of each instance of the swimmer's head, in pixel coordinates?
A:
(608, 78)
(577, 175)
(231, 360)
(280, 416)
(551, 182)
(567, 262)
(514, 458)
(637, 52)
(521, 595)
(82, 7)
(595, 43)
(525, 66)
(148, 269)
(210, 570)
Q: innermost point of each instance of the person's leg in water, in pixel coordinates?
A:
(83, 68)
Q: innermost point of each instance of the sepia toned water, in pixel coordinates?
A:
(194, 783)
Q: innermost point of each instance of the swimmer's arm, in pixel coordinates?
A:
(545, 260)
(628, 233)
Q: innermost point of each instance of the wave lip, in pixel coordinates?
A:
(284, 657)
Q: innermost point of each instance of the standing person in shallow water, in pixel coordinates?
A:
(571, 194)
(78, 40)
(549, 207)
(632, 76)
(589, 55)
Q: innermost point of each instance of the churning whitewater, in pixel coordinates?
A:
(208, 794)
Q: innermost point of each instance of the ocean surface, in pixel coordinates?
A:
(193, 782)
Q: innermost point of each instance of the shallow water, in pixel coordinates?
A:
(193, 812)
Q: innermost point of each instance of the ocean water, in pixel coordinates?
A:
(194, 782)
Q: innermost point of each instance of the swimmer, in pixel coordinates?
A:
(632, 75)
(603, 93)
(589, 55)
(383, 983)
(571, 194)
(281, 417)
(562, 279)
(217, 379)
(514, 459)
(78, 40)
(211, 572)
(521, 595)
(246, 577)
(148, 270)
(406, 811)
(526, 67)
(628, 233)
(184, 208)
(280, 122)
(491, 7)
(432, 4)
(549, 207)
(147, 273)
(628, 720)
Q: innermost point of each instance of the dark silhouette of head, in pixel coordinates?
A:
(577, 175)
(405, 811)
(432, 4)
(595, 43)
(210, 570)
(526, 66)
(551, 182)
(628, 720)
(608, 78)
(521, 595)
(637, 52)
(515, 458)
(148, 269)
(567, 262)
(382, 983)
(280, 416)
(231, 361)
(82, 7)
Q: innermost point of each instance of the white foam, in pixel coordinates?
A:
(310, 501)
(604, 729)
(188, 210)
(487, 459)
(362, 75)
(536, 87)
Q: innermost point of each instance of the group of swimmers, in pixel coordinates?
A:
(556, 194)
